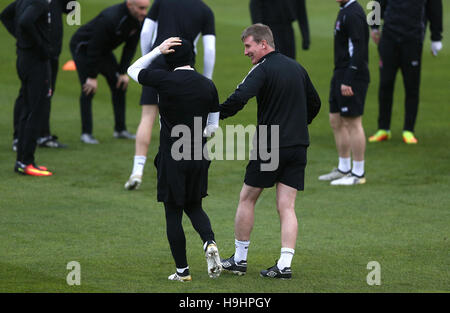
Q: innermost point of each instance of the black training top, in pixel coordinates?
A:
(112, 27)
(57, 8)
(405, 20)
(183, 95)
(351, 43)
(185, 19)
(32, 26)
(285, 97)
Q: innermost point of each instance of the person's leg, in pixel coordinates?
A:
(286, 196)
(143, 139)
(36, 85)
(144, 131)
(357, 142)
(389, 64)
(411, 70)
(245, 213)
(85, 100)
(200, 221)
(342, 139)
(110, 69)
(175, 234)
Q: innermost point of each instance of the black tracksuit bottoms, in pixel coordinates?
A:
(45, 123)
(406, 56)
(110, 69)
(34, 74)
(174, 228)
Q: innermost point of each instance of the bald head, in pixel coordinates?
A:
(138, 8)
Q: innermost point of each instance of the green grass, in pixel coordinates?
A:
(400, 218)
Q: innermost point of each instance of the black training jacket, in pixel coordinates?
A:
(99, 37)
(406, 20)
(57, 8)
(351, 43)
(32, 26)
(285, 97)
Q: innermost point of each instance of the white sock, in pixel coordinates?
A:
(181, 270)
(241, 250)
(138, 165)
(358, 168)
(285, 258)
(344, 165)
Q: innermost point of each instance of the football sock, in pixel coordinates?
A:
(358, 168)
(241, 250)
(344, 165)
(138, 164)
(181, 270)
(285, 258)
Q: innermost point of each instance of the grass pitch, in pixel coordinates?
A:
(400, 218)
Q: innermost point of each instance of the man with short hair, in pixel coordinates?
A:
(185, 97)
(287, 103)
(187, 19)
(92, 50)
(348, 93)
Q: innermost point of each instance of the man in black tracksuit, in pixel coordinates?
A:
(401, 46)
(57, 8)
(32, 29)
(287, 103)
(187, 100)
(92, 50)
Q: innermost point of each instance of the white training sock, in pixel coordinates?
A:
(344, 165)
(181, 270)
(241, 250)
(285, 258)
(358, 168)
(138, 165)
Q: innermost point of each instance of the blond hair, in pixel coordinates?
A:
(259, 32)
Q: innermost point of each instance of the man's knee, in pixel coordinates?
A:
(335, 121)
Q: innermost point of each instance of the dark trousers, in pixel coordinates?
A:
(283, 36)
(45, 123)
(110, 69)
(34, 75)
(406, 56)
(175, 233)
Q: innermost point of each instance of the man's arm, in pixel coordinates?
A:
(7, 18)
(434, 15)
(313, 102)
(147, 35)
(375, 29)
(138, 70)
(249, 88)
(302, 17)
(209, 55)
(355, 29)
(128, 52)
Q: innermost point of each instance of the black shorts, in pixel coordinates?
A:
(181, 182)
(290, 170)
(347, 106)
(149, 94)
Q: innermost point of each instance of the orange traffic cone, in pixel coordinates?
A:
(69, 66)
